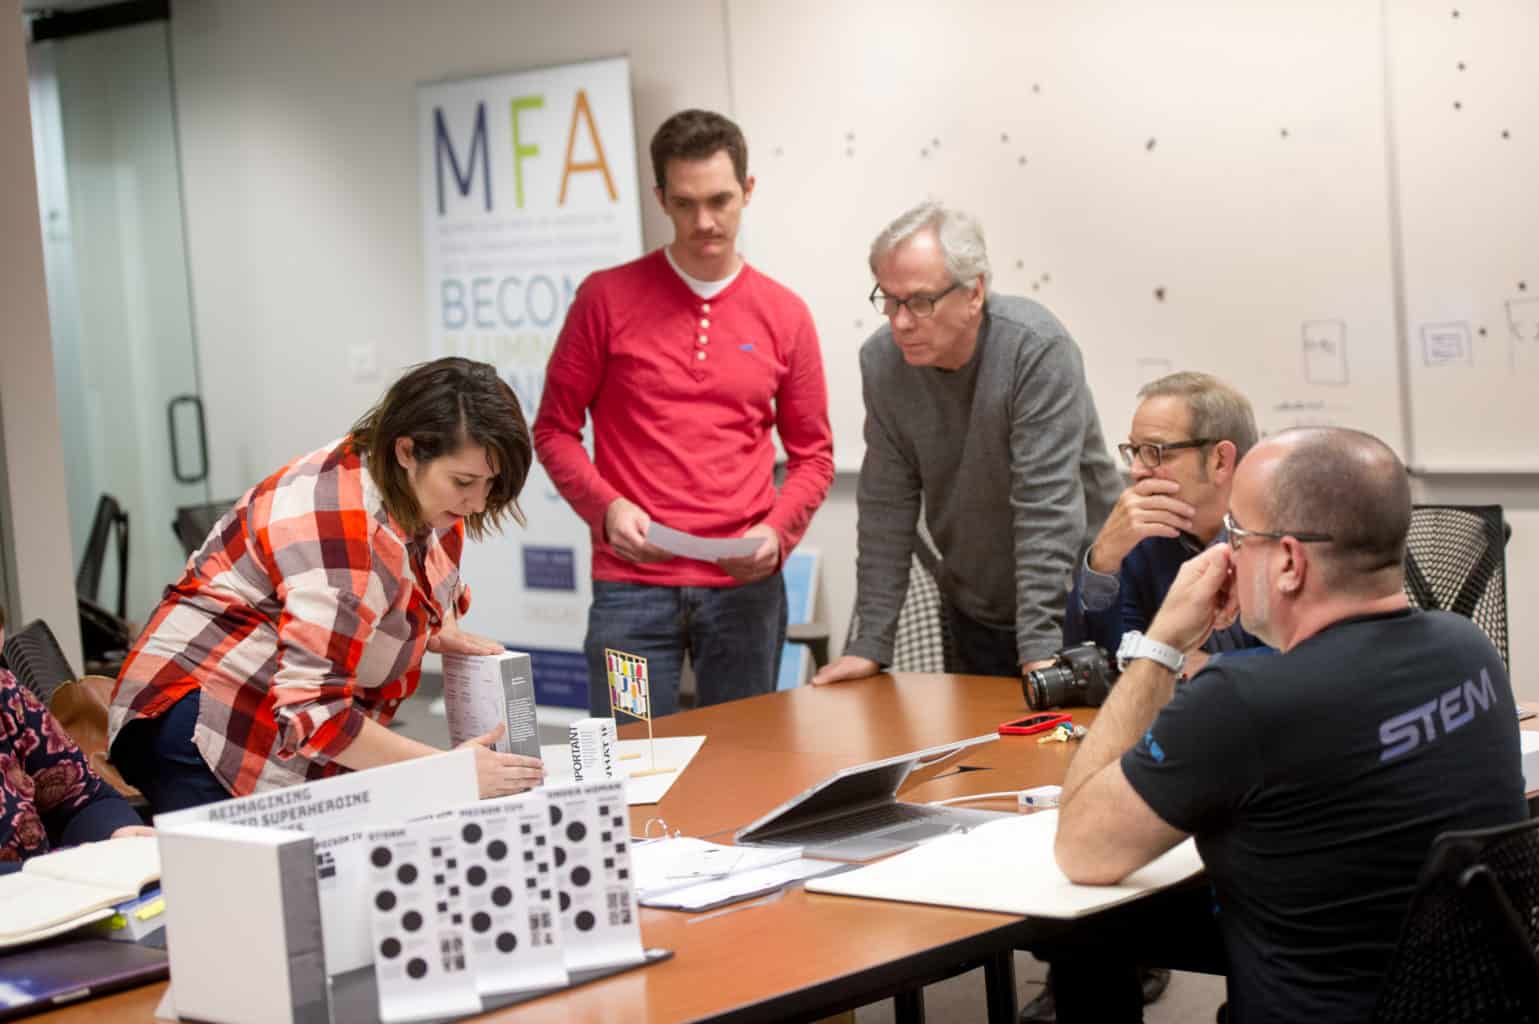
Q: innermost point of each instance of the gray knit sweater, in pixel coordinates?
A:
(1006, 457)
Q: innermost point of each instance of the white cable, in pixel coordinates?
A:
(1012, 794)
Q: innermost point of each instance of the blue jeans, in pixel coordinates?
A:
(978, 649)
(733, 636)
(158, 758)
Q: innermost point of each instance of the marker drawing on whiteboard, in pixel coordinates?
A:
(1325, 351)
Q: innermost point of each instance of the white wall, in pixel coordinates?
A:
(299, 155)
(34, 455)
(299, 165)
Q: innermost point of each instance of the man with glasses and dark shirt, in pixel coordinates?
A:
(978, 412)
(1314, 781)
(1189, 432)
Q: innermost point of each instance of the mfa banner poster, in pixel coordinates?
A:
(528, 185)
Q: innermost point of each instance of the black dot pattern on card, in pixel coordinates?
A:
(576, 831)
(471, 833)
(581, 877)
(390, 949)
(385, 900)
(497, 849)
(481, 921)
(475, 875)
(585, 921)
(417, 968)
(407, 874)
(507, 942)
(411, 921)
(380, 857)
(502, 896)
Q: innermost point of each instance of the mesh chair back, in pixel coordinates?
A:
(37, 662)
(1456, 561)
(110, 521)
(922, 641)
(1466, 952)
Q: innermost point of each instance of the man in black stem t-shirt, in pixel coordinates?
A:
(1314, 781)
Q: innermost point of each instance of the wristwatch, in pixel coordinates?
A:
(1135, 645)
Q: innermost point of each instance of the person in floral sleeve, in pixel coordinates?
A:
(49, 796)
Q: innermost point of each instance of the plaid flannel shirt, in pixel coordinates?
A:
(306, 609)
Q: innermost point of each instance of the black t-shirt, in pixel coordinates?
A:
(1315, 782)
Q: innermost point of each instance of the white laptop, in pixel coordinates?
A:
(855, 814)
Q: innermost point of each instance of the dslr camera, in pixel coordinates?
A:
(1080, 676)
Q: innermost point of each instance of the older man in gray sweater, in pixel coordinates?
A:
(978, 412)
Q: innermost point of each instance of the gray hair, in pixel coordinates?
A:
(960, 237)
(1219, 412)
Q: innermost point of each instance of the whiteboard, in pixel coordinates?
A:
(1186, 185)
(1466, 116)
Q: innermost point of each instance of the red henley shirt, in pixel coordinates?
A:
(683, 392)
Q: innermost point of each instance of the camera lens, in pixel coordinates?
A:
(1048, 687)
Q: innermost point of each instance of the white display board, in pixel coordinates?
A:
(1466, 117)
(1187, 185)
(529, 183)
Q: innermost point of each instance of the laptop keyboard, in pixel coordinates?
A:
(860, 823)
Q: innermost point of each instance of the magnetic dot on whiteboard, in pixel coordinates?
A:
(1159, 294)
(1506, 134)
(1458, 105)
(1004, 136)
(1522, 286)
(1149, 146)
(1461, 65)
(1482, 332)
(1022, 161)
(1019, 264)
(1035, 87)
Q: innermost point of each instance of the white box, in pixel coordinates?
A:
(482, 691)
(247, 893)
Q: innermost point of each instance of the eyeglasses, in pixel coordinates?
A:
(1152, 455)
(1238, 534)
(920, 306)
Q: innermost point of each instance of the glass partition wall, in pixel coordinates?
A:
(109, 191)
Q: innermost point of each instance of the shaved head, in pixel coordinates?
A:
(1349, 485)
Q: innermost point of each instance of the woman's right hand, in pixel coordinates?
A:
(499, 774)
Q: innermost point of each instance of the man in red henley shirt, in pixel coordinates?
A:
(685, 359)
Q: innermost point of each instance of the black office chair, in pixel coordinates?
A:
(1466, 952)
(193, 523)
(34, 657)
(110, 519)
(1456, 560)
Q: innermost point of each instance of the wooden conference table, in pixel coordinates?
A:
(804, 955)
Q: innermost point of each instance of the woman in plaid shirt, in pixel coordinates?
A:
(299, 626)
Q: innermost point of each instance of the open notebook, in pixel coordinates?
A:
(57, 892)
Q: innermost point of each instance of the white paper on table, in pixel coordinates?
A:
(706, 549)
(981, 870)
(742, 884)
(673, 752)
(1529, 742)
(677, 862)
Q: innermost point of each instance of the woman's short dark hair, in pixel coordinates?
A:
(698, 135)
(442, 406)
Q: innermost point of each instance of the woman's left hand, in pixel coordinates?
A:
(132, 830)
(453, 640)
